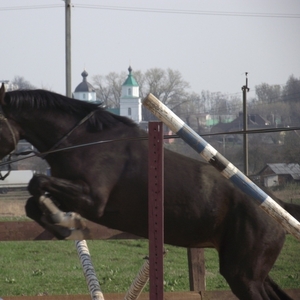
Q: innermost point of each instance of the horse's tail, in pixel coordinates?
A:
(291, 208)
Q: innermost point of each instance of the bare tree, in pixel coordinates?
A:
(291, 90)
(280, 105)
(190, 109)
(21, 83)
(168, 85)
(291, 96)
(115, 82)
(268, 93)
(235, 104)
(102, 90)
(108, 88)
(140, 78)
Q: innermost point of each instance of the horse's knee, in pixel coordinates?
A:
(36, 186)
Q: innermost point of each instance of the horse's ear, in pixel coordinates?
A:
(2, 94)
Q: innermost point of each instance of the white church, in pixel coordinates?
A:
(130, 101)
(84, 90)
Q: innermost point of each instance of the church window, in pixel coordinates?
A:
(129, 92)
(129, 111)
(83, 96)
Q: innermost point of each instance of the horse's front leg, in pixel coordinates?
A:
(69, 196)
(35, 212)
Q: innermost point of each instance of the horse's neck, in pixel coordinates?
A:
(43, 135)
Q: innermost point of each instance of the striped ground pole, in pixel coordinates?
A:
(88, 270)
(139, 282)
(226, 168)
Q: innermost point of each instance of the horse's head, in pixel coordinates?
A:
(9, 135)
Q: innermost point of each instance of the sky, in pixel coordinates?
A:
(211, 43)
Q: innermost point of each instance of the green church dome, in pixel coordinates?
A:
(130, 81)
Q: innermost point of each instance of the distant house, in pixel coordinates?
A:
(279, 174)
(254, 121)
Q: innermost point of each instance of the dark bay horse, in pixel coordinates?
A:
(108, 184)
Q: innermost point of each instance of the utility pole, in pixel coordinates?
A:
(68, 7)
(245, 89)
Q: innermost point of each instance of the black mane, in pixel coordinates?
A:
(24, 101)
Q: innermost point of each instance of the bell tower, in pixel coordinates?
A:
(130, 101)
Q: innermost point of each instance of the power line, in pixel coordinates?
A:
(189, 12)
(159, 10)
(46, 6)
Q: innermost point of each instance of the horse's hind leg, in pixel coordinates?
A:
(247, 275)
(273, 289)
(245, 288)
(248, 278)
(247, 258)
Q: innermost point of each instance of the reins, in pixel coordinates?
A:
(42, 155)
(54, 149)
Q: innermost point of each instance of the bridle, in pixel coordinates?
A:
(2, 118)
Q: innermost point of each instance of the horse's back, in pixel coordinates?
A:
(200, 205)
(205, 207)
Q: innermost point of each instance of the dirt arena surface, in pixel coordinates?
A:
(12, 203)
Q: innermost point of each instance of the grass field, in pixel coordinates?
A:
(53, 268)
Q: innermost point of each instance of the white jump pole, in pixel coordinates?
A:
(227, 169)
(88, 270)
(139, 282)
(68, 220)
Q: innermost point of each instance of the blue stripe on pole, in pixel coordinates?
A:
(220, 163)
(192, 138)
(248, 187)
